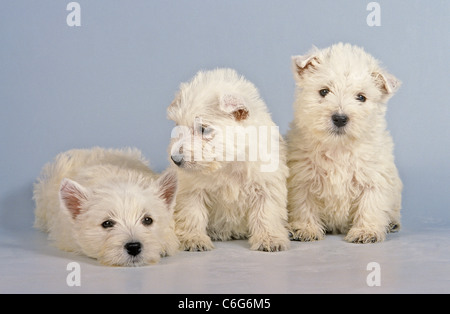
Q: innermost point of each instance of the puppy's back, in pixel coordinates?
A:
(67, 165)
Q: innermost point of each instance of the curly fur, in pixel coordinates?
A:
(342, 179)
(221, 198)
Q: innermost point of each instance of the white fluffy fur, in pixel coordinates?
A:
(81, 189)
(220, 199)
(342, 181)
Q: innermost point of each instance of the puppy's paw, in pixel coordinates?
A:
(269, 244)
(197, 244)
(364, 236)
(307, 233)
(394, 227)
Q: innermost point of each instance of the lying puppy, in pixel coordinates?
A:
(108, 205)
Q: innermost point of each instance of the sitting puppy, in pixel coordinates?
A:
(342, 173)
(107, 204)
(231, 165)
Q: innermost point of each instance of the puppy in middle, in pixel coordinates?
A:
(231, 165)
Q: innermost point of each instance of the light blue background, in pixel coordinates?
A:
(108, 82)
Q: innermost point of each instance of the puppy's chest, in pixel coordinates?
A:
(336, 177)
(230, 193)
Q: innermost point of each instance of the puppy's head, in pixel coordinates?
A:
(124, 223)
(203, 109)
(341, 92)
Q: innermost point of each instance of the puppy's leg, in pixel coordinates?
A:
(267, 223)
(191, 220)
(304, 220)
(225, 222)
(170, 243)
(394, 214)
(371, 217)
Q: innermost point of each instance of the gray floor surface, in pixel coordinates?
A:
(415, 260)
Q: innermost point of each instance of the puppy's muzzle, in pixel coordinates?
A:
(177, 159)
(133, 248)
(339, 120)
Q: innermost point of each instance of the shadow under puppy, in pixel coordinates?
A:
(342, 173)
(108, 205)
(231, 165)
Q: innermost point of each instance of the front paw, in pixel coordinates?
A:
(306, 233)
(364, 236)
(269, 244)
(394, 227)
(197, 244)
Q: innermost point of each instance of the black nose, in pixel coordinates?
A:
(339, 120)
(177, 159)
(133, 248)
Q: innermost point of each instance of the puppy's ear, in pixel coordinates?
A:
(303, 64)
(172, 109)
(387, 83)
(176, 100)
(168, 184)
(235, 106)
(72, 194)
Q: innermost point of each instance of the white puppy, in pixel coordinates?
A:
(107, 204)
(231, 164)
(342, 173)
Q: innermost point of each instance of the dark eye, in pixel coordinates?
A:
(324, 92)
(108, 224)
(147, 221)
(206, 130)
(361, 97)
